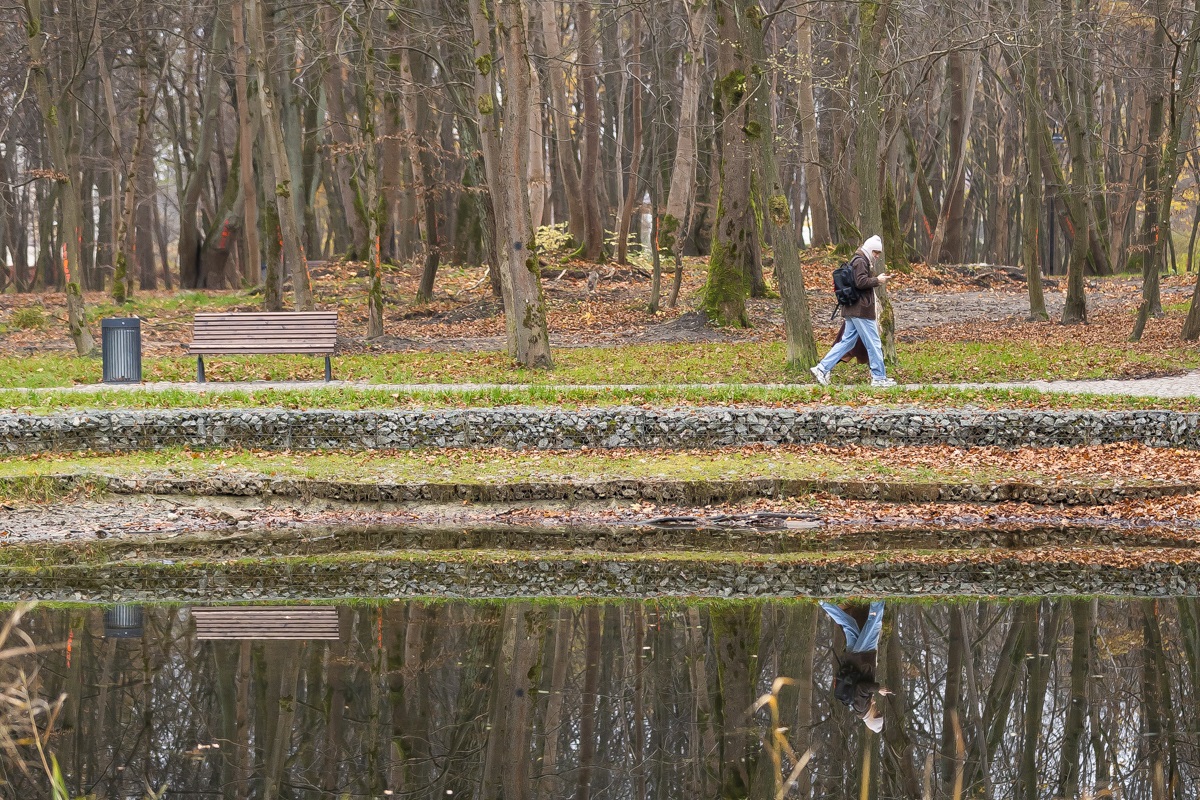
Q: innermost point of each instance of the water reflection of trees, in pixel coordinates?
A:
(520, 700)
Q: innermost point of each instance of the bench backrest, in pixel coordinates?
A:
(312, 332)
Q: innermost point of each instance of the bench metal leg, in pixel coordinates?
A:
(199, 369)
(328, 370)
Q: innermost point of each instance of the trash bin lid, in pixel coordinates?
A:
(121, 322)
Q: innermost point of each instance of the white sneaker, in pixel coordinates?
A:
(821, 375)
(882, 383)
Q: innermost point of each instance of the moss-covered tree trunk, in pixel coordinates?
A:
(777, 214)
(373, 191)
(502, 67)
(735, 238)
(63, 175)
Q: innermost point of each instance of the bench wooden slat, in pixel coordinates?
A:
(264, 333)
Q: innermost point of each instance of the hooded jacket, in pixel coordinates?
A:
(864, 280)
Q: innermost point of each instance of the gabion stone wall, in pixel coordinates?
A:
(532, 428)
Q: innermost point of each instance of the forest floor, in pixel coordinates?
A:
(978, 303)
(954, 324)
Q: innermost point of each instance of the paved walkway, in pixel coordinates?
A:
(1186, 385)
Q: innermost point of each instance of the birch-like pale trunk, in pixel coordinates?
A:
(814, 186)
(676, 217)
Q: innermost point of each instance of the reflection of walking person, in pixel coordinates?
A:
(860, 318)
(854, 682)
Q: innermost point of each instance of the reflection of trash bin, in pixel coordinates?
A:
(123, 622)
(121, 344)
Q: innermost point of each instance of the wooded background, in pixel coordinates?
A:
(219, 143)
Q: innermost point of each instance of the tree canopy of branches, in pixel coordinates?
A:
(222, 143)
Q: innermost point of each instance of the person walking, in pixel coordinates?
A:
(860, 318)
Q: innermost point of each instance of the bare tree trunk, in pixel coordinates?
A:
(505, 145)
(735, 240)
(589, 90)
(587, 720)
(68, 192)
(246, 135)
(285, 714)
(632, 199)
(551, 784)
(564, 146)
(1033, 203)
(1083, 619)
(735, 633)
(814, 186)
(341, 156)
(773, 205)
(289, 225)
(872, 21)
(422, 167)
(962, 69)
(952, 704)
(1152, 248)
(676, 218)
(1181, 120)
(190, 267)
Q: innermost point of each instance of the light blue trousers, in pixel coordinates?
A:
(856, 329)
(857, 641)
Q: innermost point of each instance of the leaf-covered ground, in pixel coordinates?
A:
(1106, 465)
(33, 517)
(953, 323)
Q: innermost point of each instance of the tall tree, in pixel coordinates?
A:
(589, 91)
(731, 263)
(773, 202)
(502, 69)
(283, 188)
(56, 123)
(673, 227)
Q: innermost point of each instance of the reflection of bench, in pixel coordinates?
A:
(266, 622)
(311, 332)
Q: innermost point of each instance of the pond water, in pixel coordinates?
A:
(541, 700)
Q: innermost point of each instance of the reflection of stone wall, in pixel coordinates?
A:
(519, 428)
(598, 575)
(665, 491)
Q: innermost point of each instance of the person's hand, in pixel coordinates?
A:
(883, 277)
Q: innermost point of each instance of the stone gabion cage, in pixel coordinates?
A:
(616, 427)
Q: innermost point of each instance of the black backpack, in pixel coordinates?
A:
(843, 286)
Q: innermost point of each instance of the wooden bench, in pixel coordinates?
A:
(312, 332)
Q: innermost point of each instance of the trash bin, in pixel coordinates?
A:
(121, 344)
(123, 622)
